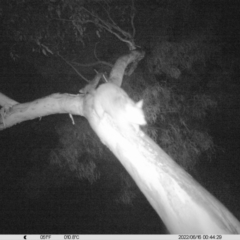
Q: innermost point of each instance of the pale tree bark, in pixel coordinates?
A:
(182, 204)
(13, 112)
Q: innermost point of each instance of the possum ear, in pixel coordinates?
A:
(139, 104)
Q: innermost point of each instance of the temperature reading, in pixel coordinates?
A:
(75, 236)
(71, 236)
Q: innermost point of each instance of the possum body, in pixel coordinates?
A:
(112, 100)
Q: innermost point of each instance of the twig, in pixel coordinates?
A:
(112, 27)
(133, 9)
(93, 64)
(85, 79)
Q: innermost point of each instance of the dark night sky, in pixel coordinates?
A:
(79, 207)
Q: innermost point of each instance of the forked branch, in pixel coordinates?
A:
(109, 25)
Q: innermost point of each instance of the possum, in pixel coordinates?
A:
(114, 101)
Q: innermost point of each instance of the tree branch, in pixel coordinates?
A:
(119, 67)
(79, 74)
(133, 11)
(111, 26)
(52, 104)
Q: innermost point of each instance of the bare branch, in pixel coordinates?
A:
(53, 104)
(73, 68)
(93, 64)
(95, 51)
(108, 13)
(111, 26)
(92, 84)
(119, 67)
(6, 101)
(133, 11)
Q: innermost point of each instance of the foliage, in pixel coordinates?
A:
(178, 107)
(172, 58)
(68, 152)
(127, 192)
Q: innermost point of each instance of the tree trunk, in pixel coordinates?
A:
(183, 204)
